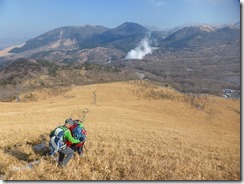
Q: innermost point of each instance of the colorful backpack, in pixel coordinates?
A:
(78, 132)
(56, 142)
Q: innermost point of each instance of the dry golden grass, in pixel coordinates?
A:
(136, 131)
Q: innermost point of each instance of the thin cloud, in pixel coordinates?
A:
(159, 3)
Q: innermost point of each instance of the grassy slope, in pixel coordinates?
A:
(136, 131)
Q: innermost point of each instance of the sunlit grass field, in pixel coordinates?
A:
(136, 131)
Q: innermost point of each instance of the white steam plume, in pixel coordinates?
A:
(141, 50)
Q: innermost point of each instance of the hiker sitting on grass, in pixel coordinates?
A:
(59, 137)
(78, 131)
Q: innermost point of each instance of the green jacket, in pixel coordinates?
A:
(81, 124)
(68, 136)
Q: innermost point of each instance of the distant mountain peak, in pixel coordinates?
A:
(130, 26)
(207, 28)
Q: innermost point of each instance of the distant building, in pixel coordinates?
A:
(230, 93)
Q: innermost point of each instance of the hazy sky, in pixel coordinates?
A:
(21, 18)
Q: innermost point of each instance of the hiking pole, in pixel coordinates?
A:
(80, 114)
(84, 114)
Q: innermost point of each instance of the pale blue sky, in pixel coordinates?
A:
(23, 18)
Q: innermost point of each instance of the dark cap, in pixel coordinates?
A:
(69, 121)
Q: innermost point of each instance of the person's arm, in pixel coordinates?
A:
(70, 138)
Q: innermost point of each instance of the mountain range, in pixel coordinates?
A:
(193, 58)
(81, 42)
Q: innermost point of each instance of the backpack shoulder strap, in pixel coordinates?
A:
(64, 128)
(57, 131)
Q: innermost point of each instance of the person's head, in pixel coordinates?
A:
(68, 123)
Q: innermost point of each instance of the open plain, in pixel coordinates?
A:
(137, 130)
